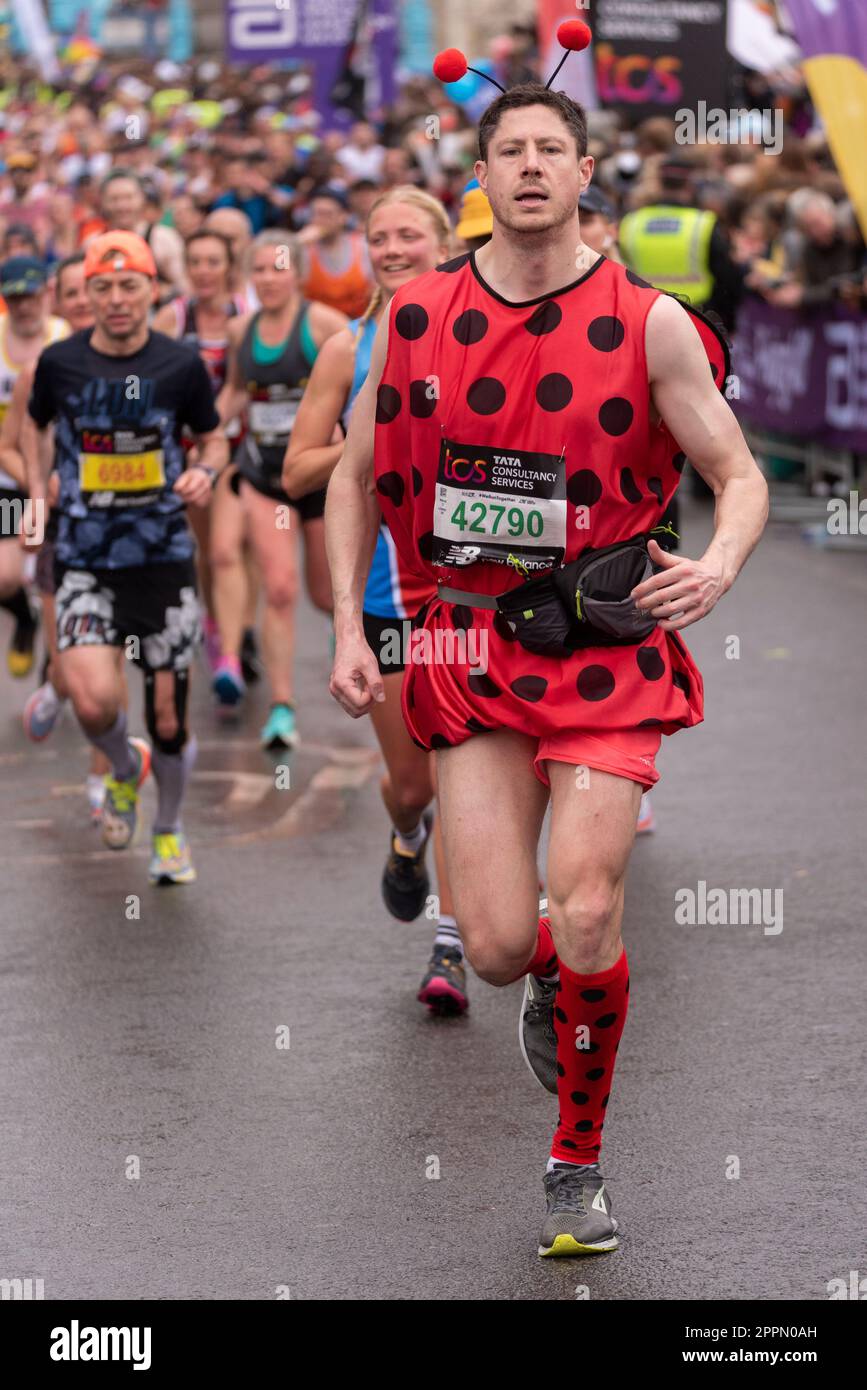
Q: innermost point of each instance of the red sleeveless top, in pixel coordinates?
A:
(515, 435)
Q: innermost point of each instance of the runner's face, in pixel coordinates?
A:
(120, 301)
(27, 314)
(123, 205)
(273, 276)
(208, 268)
(533, 149)
(402, 244)
(72, 301)
(328, 216)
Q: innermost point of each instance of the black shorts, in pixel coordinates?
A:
(154, 604)
(308, 508)
(11, 511)
(387, 638)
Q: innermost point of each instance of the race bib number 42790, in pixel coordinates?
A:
(495, 502)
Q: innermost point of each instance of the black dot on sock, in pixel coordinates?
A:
(650, 663)
(411, 321)
(606, 1100)
(654, 485)
(615, 415)
(681, 680)
(595, 1074)
(579, 1097)
(560, 1016)
(470, 326)
(422, 399)
(387, 405)
(629, 487)
(544, 318)
(417, 481)
(678, 462)
(593, 995)
(550, 963)
(584, 488)
(486, 396)
(439, 741)
(561, 1070)
(606, 333)
(554, 391)
(606, 1020)
(462, 617)
(482, 685)
(583, 1126)
(595, 683)
(390, 485)
(567, 1144)
(476, 728)
(530, 688)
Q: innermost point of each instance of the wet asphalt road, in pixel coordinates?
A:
(303, 1169)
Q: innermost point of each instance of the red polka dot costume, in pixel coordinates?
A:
(519, 434)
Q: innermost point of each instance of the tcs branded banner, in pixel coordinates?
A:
(650, 57)
(833, 39)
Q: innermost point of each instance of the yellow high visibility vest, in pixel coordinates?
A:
(670, 247)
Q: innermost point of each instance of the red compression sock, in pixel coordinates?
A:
(544, 961)
(584, 1071)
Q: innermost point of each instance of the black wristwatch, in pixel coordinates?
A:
(212, 473)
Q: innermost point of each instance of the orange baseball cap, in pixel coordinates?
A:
(119, 251)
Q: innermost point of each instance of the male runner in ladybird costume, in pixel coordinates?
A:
(567, 393)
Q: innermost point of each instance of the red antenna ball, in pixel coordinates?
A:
(574, 34)
(450, 65)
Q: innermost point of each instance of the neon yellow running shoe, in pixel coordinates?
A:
(120, 808)
(171, 862)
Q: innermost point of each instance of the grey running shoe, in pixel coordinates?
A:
(536, 1036)
(579, 1220)
(444, 987)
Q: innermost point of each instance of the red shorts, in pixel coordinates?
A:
(624, 753)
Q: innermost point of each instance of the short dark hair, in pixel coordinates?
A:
(534, 94)
(122, 173)
(211, 235)
(77, 258)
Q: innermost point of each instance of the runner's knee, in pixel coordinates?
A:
(585, 914)
(494, 959)
(281, 589)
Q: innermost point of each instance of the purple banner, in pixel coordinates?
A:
(803, 373)
(830, 26)
(333, 39)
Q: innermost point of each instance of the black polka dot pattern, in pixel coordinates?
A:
(411, 321)
(390, 485)
(502, 629)
(470, 327)
(483, 686)
(615, 416)
(595, 683)
(681, 680)
(417, 481)
(439, 741)
(475, 727)
(629, 487)
(584, 488)
(678, 462)
(544, 318)
(606, 333)
(561, 1071)
(654, 485)
(606, 1020)
(595, 1073)
(462, 617)
(583, 1126)
(650, 663)
(530, 688)
(560, 1016)
(592, 996)
(579, 1097)
(554, 391)
(650, 724)
(486, 396)
(426, 546)
(422, 401)
(387, 405)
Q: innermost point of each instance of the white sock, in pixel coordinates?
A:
(411, 841)
(556, 1162)
(448, 934)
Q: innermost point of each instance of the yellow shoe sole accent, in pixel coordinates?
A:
(568, 1245)
(19, 663)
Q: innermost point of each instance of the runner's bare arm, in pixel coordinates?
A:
(684, 393)
(11, 459)
(351, 523)
(233, 397)
(311, 457)
(325, 322)
(166, 321)
(212, 454)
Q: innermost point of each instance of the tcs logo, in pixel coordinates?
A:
(465, 470)
(637, 77)
(94, 443)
